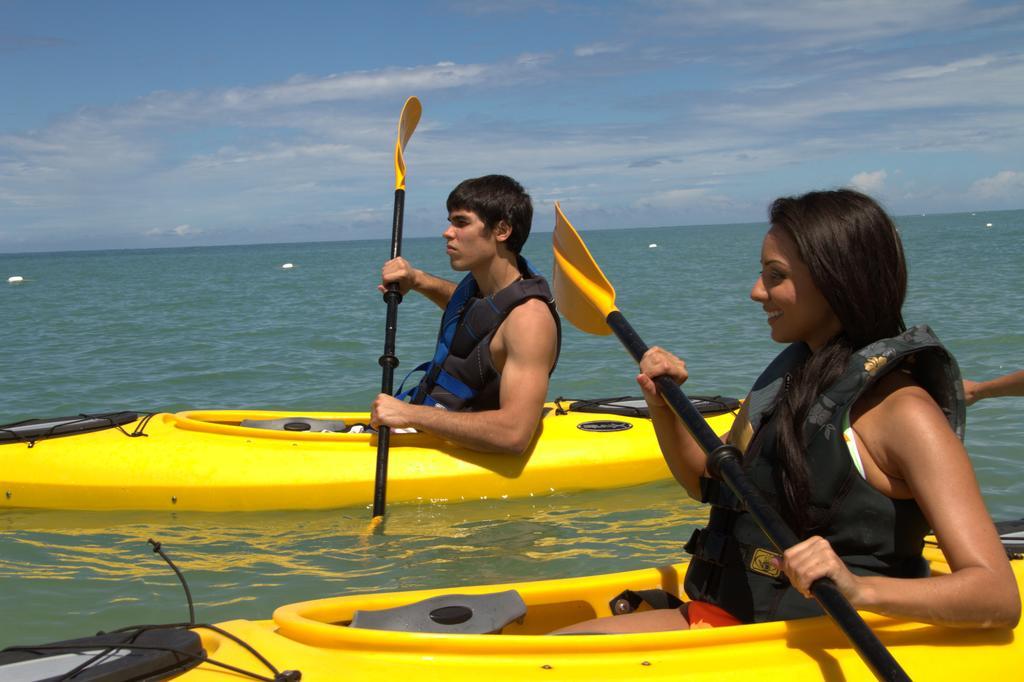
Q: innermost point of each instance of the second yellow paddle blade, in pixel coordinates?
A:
(583, 294)
(406, 125)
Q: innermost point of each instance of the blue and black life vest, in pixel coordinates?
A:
(872, 533)
(461, 375)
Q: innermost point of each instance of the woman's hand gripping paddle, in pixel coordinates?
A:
(586, 298)
(388, 361)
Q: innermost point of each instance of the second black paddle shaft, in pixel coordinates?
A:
(388, 361)
(724, 463)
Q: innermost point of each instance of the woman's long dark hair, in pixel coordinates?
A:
(855, 257)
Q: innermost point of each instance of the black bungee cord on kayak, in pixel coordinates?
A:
(157, 549)
(29, 431)
(140, 428)
(279, 676)
(104, 644)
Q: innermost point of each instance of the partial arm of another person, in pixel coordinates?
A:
(1006, 385)
(685, 458)
(401, 271)
(907, 435)
(527, 338)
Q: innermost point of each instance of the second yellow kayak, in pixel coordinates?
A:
(210, 461)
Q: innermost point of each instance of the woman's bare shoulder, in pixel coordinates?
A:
(900, 421)
(898, 396)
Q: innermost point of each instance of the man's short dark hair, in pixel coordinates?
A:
(495, 198)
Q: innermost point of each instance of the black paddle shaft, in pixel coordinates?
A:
(392, 297)
(724, 463)
(388, 361)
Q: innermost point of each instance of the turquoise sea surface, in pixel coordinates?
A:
(228, 327)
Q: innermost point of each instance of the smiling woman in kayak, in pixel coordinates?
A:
(854, 432)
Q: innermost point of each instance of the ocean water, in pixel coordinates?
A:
(227, 327)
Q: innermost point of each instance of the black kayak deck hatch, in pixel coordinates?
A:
(148, 653)
(637, 407)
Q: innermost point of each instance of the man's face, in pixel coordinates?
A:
(469, 242)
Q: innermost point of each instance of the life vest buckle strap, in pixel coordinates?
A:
(629, 601)
(716, 548)
(709, 545)
(717, 494)
(691, 545)
(708, 488)
(760, 560)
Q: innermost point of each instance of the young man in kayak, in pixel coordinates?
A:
(854, 433)
(500, 334)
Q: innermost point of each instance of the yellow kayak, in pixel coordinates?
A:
(316, 639)
(500, 632)
(236, 460)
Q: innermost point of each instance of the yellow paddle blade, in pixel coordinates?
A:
(406, 124)
(583, 294)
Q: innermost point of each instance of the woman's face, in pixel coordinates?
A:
(796, 309)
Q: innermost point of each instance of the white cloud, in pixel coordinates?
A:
(673, 198)
(1005, 184)
(869, 181)
(596, 49)
(300, 90)
(941, 70)
(74, 161)
(270, 153)
(533, 59)
(996, 86)
(177, 231)
(816, 24)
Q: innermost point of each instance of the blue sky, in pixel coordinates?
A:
(144, 124)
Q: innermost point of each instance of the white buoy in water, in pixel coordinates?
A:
(15, 279)
(287, 266)
(652, 246)
(988, 224)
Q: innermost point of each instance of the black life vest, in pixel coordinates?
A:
(872, 533)
(461, 375)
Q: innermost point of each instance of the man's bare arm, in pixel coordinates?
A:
(401, 271)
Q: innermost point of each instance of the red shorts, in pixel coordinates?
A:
(701, 612)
